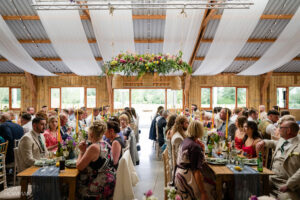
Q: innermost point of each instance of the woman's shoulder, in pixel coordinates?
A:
(46, 132)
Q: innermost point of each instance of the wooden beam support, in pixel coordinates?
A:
(31, 81)
(51, 59)
(265, 83)
(245, 58)
(110, 93)
(137, 17)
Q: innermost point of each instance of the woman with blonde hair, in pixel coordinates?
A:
(51, 133)
(97, 175)
(188, 178)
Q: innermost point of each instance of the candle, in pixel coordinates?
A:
(200, 116)
(226, 124)
(102, 110)
(258, 113)
(77, 121)
(58, 128)
(92, 117)
(212, 119)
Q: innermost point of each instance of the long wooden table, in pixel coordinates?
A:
(224, 174)
(68, 176)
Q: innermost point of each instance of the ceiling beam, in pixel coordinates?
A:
(94, 41)
(51, 59)
(244, 58)
(136, 17)
(208, 15)
(251, 40)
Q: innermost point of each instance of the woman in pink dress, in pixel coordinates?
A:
(51, 134)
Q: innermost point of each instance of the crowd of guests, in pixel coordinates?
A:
(99, 154)
(250, 131)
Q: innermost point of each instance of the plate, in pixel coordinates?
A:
(44, 162)
(251, 162)
(71, 163)
(217, 161)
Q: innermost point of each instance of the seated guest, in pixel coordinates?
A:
(251, 138)
(65, 130)
(170, 123)
(239, 133)
(285, 162)
(178, 134)
(26, 122)
(262, 113)
(10, 132)
(276, 136)
(45, 108)
(161, 124)
(189, 177)
(71, 114)
(124, 123)
(95, 115)
(80, 114)
(32, 145)
(284, 112)
(253, 115)
(84, 117)
(114, 119)
(51, 134)
(31, 111)
(231, 125)
(42, 114)
(267, 127)
(97, 174)
(117, 145)
(236, 114)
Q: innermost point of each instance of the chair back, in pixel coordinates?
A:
(3, 147)
(17, 143)
(16, 164)
(2, 171)
(167, 169)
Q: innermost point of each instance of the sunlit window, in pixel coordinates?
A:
(294, 97)
(72, 97)
(205, 97)
(15, 98)
(174, 98)
(281, 97)
(224, 97)
(91, 97)
(121, 98)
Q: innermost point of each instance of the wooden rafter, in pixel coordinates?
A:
(136, 17)
(251, 40)
(85, 11)
(51, 59)
(207, 16)
(265, 82)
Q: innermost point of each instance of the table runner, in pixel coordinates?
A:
(246, 182)
(45, 183)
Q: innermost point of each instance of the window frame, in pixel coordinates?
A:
(10, 97)
(210, 100)
(85, 94)
(286, 98)
(236, 89)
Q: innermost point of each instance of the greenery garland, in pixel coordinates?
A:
(136, 64)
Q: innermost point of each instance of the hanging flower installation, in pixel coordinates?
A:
(135, 64)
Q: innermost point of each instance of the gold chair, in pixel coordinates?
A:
(167, 170)
(9, 193)
(3, 147)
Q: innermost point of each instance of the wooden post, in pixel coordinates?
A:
(187, 83)
(110, 93)
(265, 83)
(31, 81)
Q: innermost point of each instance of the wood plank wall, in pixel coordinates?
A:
(253, 83)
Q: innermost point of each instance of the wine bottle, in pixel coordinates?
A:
(259, 163)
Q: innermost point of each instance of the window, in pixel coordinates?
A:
(72, 97)
(174, 98)
(281, 97)
(241, 97)
(205, 97)
(224, 97)
(121, 98)
(10, 98)
(294, 98)
(91, 97)
(4, 97)
(55, 98)
(15, 98)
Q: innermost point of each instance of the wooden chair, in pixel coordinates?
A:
(16, 167)
(157, 149)
(11, 192)
(167, 169)
(3, 147)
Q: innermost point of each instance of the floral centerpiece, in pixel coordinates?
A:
(67, 148)
(149, 196)
(213, 136)
(139, 64)
(172, 193)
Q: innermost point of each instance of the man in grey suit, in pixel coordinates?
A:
(32, 145)
(285, 161)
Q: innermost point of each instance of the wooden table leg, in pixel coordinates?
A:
(72, 188)
(265, 182)
(219, 187)
(24, 188)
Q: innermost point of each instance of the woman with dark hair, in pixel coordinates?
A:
(117, 143)
(239, 133)
(170, 123)
(251, 138)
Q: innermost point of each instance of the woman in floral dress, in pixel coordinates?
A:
(97, 175)
(51, 134)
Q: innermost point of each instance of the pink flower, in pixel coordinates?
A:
(141, 59)
(122, 61)
(149, 193)
(177, 197)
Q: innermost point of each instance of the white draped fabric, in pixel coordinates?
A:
(114, 32)
(283, 50)
(13, 51)
(68, 38)
(181, 31)
(234, 30)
